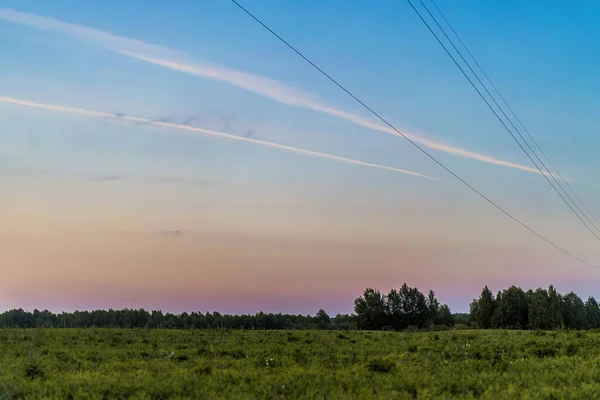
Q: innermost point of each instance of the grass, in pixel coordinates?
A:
(170, 364)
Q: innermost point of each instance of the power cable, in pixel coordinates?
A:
(515, 219)
(566, 183)
(544, 174)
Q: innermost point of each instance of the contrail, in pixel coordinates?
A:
(101, 114)
(278, 91)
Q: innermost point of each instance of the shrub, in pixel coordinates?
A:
(33, 371)
(237, 354)
(203, 351)
(382, 365)
(204, 370)
(182, 358)
(542, 350)
(572, 349)
(460, 327)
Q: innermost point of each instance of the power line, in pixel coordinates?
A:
(515, 219)
(518, 119)
(544, 174)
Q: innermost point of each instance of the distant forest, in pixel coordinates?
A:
(404, 309)
(511, 308)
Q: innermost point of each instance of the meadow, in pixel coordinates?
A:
(227, 364)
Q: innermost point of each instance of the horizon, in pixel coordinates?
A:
(203, 165)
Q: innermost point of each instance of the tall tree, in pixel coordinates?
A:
(433, 307)
(370, 309)
(592, 313)
(482, 309)
(407, 306)
(540, 310)
(573, 311)
(512, 309)
(323, 319)
(555, 306)
(445, 316)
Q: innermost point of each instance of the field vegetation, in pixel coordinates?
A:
(233, 364)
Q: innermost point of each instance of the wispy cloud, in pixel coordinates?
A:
(110, 178)
(191, 129)
(278, 91)
(175, 233)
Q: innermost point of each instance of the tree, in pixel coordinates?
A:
(573, 311)
(482, 309)
(540, 311)
(370, 309)
(555, 304)
(592, 313)
(512, 309)
(433, 308)
(444, 316)
(516, 308)
(498, 316)
(323, 319)
(407, 306)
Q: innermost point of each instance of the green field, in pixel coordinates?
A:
(170, 364)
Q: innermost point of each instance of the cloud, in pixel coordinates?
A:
(110, 178)
(191, 129)
(175, 233)
(278, 91)
(213, 119)
(193, 182)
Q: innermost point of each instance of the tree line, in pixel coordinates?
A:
(140, 318)
(401, 309)
(514, 308)
(405, 308)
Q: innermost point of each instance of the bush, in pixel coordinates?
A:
(382, 365)
(460, 327)
(543, 350)
(412, 329)
(33, 371)
(205, 370)
(440, 328)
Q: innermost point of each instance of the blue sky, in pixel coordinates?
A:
(120, 176)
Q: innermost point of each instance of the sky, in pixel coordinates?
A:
(176, 156)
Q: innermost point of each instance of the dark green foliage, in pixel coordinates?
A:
(33, 371)
(592, 313)
(406, 309)
(573, 311)
(444, 316)
(323, 317)
(512, 309)
(461, 318)
(204, 370)
(543, 349)
(483, 308)
(371, 309)
(381, 365)
(141, 318)
(541, 309)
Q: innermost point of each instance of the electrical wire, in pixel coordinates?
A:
(447, 169)
(544, 174)
(566, 183)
